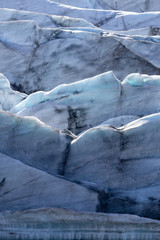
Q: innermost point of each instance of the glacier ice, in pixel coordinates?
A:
(90, 164)
(116, 164)
(43, 20)
(90, 69)
(76, 106)
(119, 121)
(139, 80)
(33, 142)
(125, 145)
(43, 5)
(73, 103)
(8, 97)
(25, 187)
(105, 80)
(56, 49)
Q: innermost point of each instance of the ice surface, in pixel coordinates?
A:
(48, 6)
(55, 49)
(30, 188)
(87, 87)
(73, 103)
(32, 142)
(119, 121)
(118, 162)
(43, 20)
(8, 97)
(77, 106)
(70, 57)
(139, 80)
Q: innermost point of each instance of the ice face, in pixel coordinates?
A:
(75, 92)
(4, 83)
(117, 164)
(100, 40)
(33, 142)
(76, 106)
(134, 142)
(64, 52)
(8, 97)
(30, 188)
(71, 104)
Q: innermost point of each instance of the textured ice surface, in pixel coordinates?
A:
(56, 49)
(77, 106)
(32, 142)
(123, 146)
(42, 19)
(67, 48)
(118, 162)
(113, 168)
(8, 97)
(119, 121)
(23, 187)
(104, 82)
(73, 103)
(48, 6)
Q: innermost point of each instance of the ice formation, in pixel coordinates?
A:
(32, 142)
(117, 163)
(56, 49)
(86, 137)
(30, 188)
(8, 97)
(76, 106)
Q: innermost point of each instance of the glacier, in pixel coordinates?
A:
(30, 188)
(79, 119)
(104, 168)
(75, 43)
(76, 106)
(116, 164)
(15, 141)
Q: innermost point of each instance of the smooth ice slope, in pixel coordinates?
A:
(33, 142)
(84, 104)
(23, 187)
